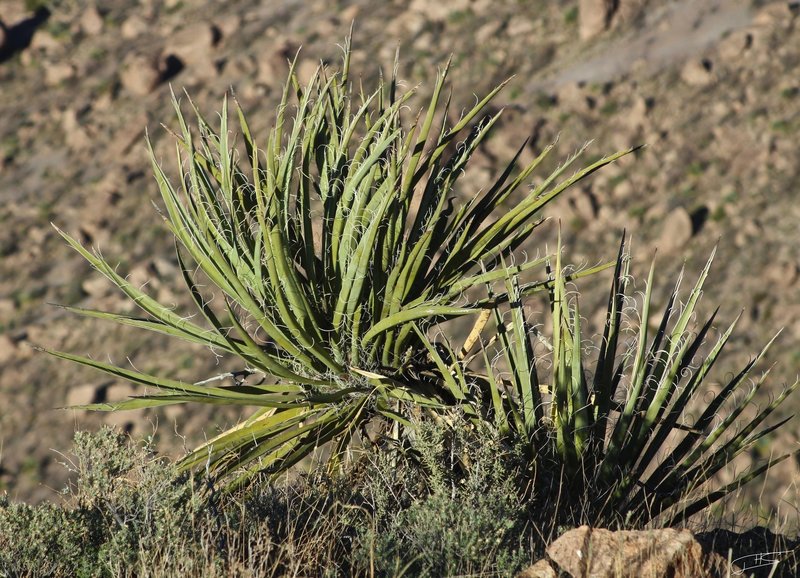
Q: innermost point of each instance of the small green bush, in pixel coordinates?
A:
(452, 505)
(45, 540)
(454, 500)
(128, 514)
(125, 503)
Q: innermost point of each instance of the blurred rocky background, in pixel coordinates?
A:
(712, 87)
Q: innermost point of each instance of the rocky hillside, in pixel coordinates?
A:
(713, 89)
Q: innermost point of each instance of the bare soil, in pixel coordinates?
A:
(713, 89)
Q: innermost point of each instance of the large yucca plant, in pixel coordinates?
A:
(334, 244)
(619, 421)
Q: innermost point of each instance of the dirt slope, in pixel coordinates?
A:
(712, 88)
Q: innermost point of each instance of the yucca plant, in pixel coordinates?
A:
(334, 245)
(616, 426)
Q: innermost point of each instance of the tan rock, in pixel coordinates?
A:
(597, 553)
(349, 13)
(409, 25)
(437, 10)
(57, 72)
(636, 116)
(134, 26)
(7, 309)
(657, 211)
(775, 14)
(141, 276)
(735, 45)
(194, 44)
(572, 96)
(45, 42)
(595, 16)
(698, 72)
(140, 74)
(623, 190)
(628, 10)
(505, 142)
(82, 395)
(165, 268)
(306, 69)
(123, 420)
(122, 391)
(584, 206)
(75, 134)
(782, 273)
(327, 27)
(269, 70)
(14, 12)
(91, 21)
(8, 349)
(542, 569)
(96, 286)
(174, 412)
(228, 24)
(240, 68)
(676, 230)
(129, 135)
(520, 27)
(95, 232)
(488, 31)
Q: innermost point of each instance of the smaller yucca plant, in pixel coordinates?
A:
(616, 425)
(332, 246)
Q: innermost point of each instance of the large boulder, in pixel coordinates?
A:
(597, 553)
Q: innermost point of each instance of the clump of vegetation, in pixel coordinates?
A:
(124, 504)
(458, 500)
(332, 248)
(131, 514)
(616, 426)
(335, 254)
